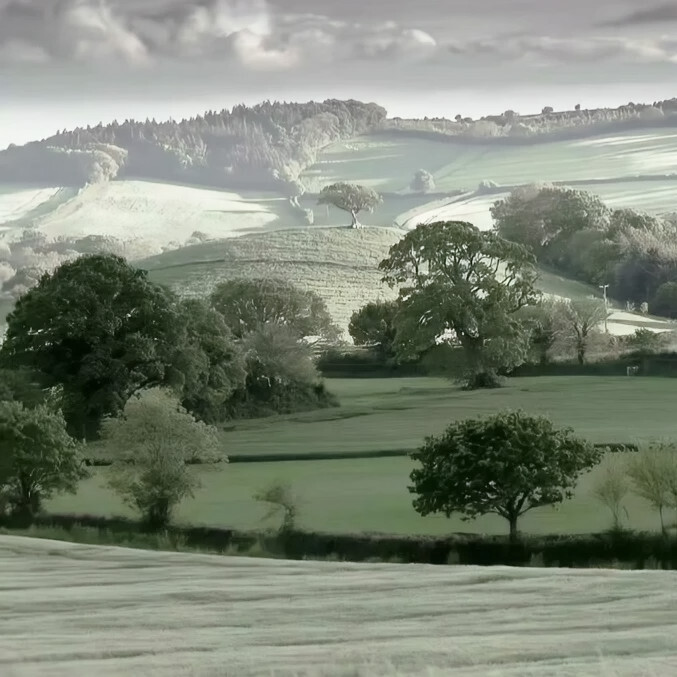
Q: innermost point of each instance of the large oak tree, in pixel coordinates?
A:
(99, 329)
(462, 286)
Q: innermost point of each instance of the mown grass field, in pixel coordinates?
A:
(371, 494)
(86, 610)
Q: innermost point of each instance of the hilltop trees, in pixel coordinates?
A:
(350, 198)
(99, 329)
(37, 457)
(263, 146)
(506, 464)
(464, 287)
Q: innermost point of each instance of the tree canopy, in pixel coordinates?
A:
(37, 457)
(248, 304)
(374, 326)
(154, 439)
(208, 364)
(463, 286)
(350, 198)
(505, 464)
(97, 327)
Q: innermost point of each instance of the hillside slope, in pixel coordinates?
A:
(73, 609)
(340, 264)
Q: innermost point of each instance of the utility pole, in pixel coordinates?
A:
(604, 287)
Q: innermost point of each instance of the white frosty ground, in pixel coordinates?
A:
(86, 610)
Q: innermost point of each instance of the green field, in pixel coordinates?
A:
(370, 494)
(388, 162)
(348, 496)
(398, 413)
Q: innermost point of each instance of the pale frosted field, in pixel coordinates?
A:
(388, 162)
(16, 202)
(86, 610)
(159, 212)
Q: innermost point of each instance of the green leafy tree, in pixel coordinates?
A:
(423, 182)
(544, 218)
(543, 322)
(153, 441)
(280, 497)
(37, 457)
(208, 364)
(464, 287)
(610, 489)
(350, 198)
(374, 326)
(653, 475)
(97, 327)
(665, 301)
(581, 319)
(281, 375)
(249, 304)
(505, 464)
(21, 385)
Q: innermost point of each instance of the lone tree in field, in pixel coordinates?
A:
(581, 319)
(423, 182)
(37, 457)
(99, 329)
(462, 286)
(374, 326)
(506, 464)
(351, 198)
(653, 476)
(247, 305)
(153, 441)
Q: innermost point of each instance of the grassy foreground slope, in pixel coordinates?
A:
(73, 609)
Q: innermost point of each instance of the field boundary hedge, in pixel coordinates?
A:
(637, 550)
(331, 455)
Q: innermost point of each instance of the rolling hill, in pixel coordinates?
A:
(634, 168)
(111, 611)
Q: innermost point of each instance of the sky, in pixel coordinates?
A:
(65, 63)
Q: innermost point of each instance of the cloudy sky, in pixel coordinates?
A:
(69, 62)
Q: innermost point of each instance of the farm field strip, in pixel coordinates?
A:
(371, 494)
(74, 609)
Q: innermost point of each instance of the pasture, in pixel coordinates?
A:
(387, 162)
(111, 611)
(356, 495)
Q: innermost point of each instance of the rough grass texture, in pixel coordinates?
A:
(341, 265)
(73, 609)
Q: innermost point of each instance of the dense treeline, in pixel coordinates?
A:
(96, 331)
(265, 146)
(575, 233)
(512, 128)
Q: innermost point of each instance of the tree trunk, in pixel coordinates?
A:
(513, 528)
(660, 514)
(355, 223)
(580, 353)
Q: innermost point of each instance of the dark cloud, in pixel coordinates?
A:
(649, 15)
